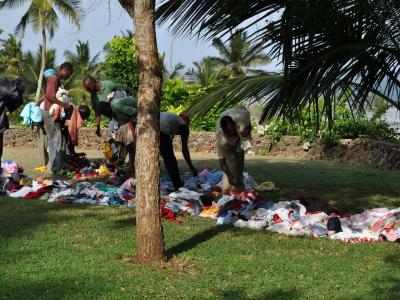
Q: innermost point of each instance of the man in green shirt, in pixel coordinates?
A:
(102, 91)
(122, 111)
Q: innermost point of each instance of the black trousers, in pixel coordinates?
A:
(167, 153)
(1, 146)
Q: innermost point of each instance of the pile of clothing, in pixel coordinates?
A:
(12, 177)
(201, 196)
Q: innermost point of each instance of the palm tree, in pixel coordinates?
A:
(84, 63)
(149, 235)
(238, 55)
(203, 73)
(31, 63)
(43, 16)
(82, 59)
(170, 73)
(11, 57)
(327, 48)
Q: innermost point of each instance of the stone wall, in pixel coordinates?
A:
(360, 151)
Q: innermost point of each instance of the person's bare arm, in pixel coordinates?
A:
(186, 155)
(185, 150)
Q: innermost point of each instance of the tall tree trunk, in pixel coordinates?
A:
(149, 236)
(42, 65)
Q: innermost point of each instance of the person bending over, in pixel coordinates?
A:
(171, 125)
(233, 139)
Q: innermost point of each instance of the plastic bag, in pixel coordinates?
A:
(11, 93)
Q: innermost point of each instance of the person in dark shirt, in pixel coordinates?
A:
(84, 112)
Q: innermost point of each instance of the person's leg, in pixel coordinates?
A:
(1, 146)
(54, 136)
(61, 148)
(240, 170)
(42, 144)
(131, 148)
(167, 153)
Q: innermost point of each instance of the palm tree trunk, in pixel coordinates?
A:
(42, 65)
(149, 236)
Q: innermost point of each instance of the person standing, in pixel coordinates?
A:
(233, 139)
(170, 126)
(51, 126)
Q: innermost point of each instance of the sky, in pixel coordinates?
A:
(99, 26)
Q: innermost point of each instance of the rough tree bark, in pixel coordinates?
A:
(149, 236)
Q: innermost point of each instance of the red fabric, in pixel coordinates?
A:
(277, 219)
(133, 129)
(186, 118)
(37, 194)
(168, 215)
(128, 197)
(75, 123)
(52, 85)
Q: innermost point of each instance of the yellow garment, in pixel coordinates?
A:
(107, 150)
(41, 169)
(266, 186)
(211, 212)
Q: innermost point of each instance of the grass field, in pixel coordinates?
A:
(53, 251)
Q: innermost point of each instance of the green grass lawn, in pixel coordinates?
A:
(54, 251)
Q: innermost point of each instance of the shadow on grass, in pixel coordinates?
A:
(195, 240)
(275, 294)
(61, 288)
(21, 217)
(388, 286)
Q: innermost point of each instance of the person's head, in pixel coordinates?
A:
(84, 111)
(91, 84)
(246, 131)
(104, 109)
(185, 117)
(65, 71)
(228, 126)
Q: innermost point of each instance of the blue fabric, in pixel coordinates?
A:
(31, 113)
(49, 73)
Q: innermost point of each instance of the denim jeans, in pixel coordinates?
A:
(55, 143)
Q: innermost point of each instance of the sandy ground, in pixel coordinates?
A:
(28, 158)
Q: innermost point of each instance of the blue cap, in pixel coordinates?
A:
(49, 73)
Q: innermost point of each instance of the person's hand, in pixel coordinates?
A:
(98, 131)
(194, 171)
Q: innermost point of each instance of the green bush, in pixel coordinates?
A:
(120, 64)
(177, 97)
(306, 125)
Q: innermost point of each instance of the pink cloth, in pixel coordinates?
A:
(75, 123)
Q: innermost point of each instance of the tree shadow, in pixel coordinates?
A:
(388, 285)
(20, 216)
(274, 294)
(127, 222)
(195, 240)
(60, 288)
